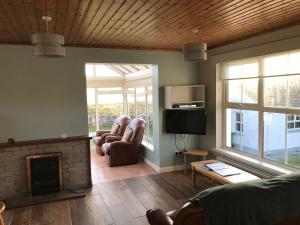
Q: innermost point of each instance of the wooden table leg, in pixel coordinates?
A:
(193, 177)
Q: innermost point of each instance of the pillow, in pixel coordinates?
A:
(127, 135)
(115, 128)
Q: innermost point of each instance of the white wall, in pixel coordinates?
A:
(43, 98)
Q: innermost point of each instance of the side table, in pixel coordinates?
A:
(193, 152)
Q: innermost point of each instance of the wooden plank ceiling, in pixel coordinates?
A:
(145, 24)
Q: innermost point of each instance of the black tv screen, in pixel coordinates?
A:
(186, 121)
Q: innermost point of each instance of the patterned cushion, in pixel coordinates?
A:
(127, 134)
(115, 128)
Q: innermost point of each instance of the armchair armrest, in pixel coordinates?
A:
(158, 217)
(190, 214)
(112, 138)
(99, 133)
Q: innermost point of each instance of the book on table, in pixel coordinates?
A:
(222, 169)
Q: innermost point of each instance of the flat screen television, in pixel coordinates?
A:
(186, 121)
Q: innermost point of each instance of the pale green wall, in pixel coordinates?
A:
(279, 41)
(43, 98)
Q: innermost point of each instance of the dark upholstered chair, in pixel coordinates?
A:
(127, 150)
(117, 131)
(193, 214)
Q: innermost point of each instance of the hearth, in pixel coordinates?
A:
(44, 173)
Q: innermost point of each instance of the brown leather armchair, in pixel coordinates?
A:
(127, 150)
(117, 131)
(192, 214)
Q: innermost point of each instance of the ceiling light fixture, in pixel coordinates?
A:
(48, 45)
(195, 51)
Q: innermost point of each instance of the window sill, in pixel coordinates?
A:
(148, 146)
(258, 165)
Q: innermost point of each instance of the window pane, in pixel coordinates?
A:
(110, 107)
(250, 70)
(131, 105)
(110, 89)
(234, 72)
(141, 106)
(130, 90)
(233, 132)
(274, 136)
(241, 70)
(91, 109)
(105, 71)
(234, 88)
(294, 65)
(149, 117)
(250, 132)
(242, 134)
(294, 91)
(290, 117)
(140, 90)
(276, 65)
(291, 125)
(250, 91)
(89, 71)
(293, 146)
(275, 91)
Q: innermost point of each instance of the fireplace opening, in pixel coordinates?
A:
(44, 173)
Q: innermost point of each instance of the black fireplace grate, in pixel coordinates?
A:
(45, 174)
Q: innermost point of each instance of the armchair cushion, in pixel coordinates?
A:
(127, 134)
(114, 128)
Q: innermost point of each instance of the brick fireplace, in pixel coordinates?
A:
(75, 157)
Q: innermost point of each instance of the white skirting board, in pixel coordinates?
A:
(163, 169)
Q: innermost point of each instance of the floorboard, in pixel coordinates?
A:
(60, 212)
(41, 214)
(80, 214)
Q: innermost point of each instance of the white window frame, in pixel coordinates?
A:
(259, 107)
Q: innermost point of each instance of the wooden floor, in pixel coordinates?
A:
(122, 201)
(101, 172)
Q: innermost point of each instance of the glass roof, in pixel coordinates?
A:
(94, 70)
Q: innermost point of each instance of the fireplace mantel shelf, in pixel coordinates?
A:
(44, 141)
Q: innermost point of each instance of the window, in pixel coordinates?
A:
(262, 99)
(293, 122)
(110, 106)
(238, 122)
(139, 104)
